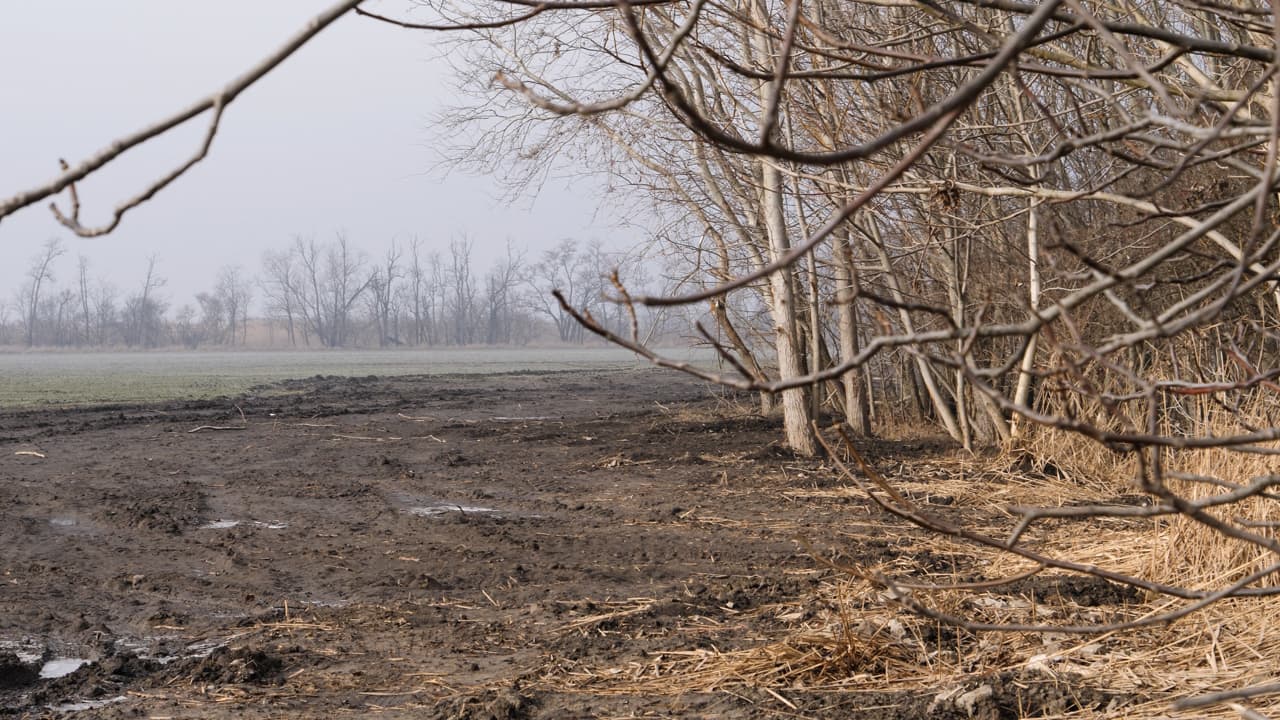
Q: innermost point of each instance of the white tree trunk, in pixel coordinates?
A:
(796, 416)
(1023, 390)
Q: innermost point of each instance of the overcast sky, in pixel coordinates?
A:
(337, 138)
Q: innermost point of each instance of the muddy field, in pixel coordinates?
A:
(544, 545)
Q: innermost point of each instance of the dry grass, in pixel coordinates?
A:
(851, 635)
(1231, 643)
(1183, 550)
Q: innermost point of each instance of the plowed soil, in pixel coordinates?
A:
(457, 547)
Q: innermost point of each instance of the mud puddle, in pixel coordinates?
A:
(61, 667)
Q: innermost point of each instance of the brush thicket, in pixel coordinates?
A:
(1182, 550)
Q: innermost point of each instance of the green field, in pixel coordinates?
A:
(32, 379)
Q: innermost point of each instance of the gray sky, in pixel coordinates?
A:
(337, 138)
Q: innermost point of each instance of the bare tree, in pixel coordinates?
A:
(328, 281)
(186, 328)
(235, 292)
(279, 283)
(346, 280)
(210, 327)
(105, 314)
(501, 304)
(5, 328)
(435, 299)
(417, 304)
(559, 270)
(60, 316)
(144, 311)
(86, 316)
(38, 274)
(382, 296)
(461, 302)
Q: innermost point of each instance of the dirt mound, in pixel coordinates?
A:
(16, 674)
(227, 666)
(1017, 695)
(168, 510)
(501, 704)
(1083, 590)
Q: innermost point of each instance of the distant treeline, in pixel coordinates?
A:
(330, 294)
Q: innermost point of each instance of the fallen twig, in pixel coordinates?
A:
(1246, 712)
(30, 453)
(216, 427)
(638, 605)
(1246, 693)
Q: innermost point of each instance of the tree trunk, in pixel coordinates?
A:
(796, 418)
(1022, 392)
(857, 414)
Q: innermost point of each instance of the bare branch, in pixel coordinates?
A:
(216, 101)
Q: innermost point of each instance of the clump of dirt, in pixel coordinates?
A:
(238, 666)
(1017, 695)
(494, 704)
(14, 673)
(126, 665)
(166, 510)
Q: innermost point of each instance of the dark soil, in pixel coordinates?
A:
(447, 547)
(1084, 591)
